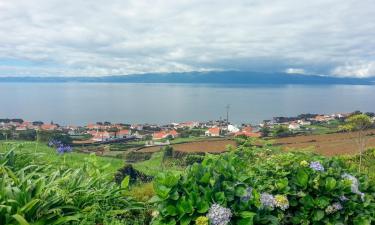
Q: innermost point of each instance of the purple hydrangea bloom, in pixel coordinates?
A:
(54, 143)
(317, 166)
(248, 196)
(64, 149)
(334, 208)
(343, 198)
(267, 200)
(219, 215)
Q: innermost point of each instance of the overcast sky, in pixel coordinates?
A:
(110, 37)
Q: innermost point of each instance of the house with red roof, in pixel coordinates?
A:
(165, 134)
(123, 133)
(248, 132)
(103, 136)
(213, 132)
(49, 127)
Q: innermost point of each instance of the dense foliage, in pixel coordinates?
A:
(37, 194)
(253, 185)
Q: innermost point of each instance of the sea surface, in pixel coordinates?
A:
(81, 103)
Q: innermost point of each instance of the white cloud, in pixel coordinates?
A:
(295, 71)
(359, 69)
(103, 37)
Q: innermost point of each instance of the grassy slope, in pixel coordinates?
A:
(154, 166)
(73, 160)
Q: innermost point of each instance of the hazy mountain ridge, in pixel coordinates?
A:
(227, 77)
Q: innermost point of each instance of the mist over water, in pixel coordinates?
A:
(81, 103)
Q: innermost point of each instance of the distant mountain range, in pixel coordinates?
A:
(218, 77)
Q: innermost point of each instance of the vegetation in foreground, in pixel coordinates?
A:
(249, 185)
(242, 187)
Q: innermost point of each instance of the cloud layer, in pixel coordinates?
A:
(93, 38)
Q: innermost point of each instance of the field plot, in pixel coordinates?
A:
(327, 144)
(212, 146)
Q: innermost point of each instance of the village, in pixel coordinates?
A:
(154, 135)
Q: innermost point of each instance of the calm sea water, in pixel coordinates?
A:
(80, 103)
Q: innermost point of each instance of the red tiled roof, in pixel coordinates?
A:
(214, 130)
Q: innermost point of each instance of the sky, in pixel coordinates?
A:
(120, 37)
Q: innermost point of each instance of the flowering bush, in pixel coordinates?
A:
(259, 186)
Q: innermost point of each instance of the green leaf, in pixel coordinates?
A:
(240, 190)
(203, 206)
(247, 214)
(26, 208)
(318, 215)
(302, 178)
(162, 191)
(220, 197)
(246, 221)
(20, 219)
(171, 210)
(185, 220)
(65, 220)
(125, 182)
(330, 183)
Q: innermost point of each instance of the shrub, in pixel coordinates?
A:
(37, 194)
(193, 158)
(257, 186)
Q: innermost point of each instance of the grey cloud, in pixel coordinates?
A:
(100, 37)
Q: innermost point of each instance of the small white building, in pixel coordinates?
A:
(304, 122)
(294, 126)
(232, 129)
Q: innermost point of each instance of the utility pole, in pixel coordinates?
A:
(227, 107)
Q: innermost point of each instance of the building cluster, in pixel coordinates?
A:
(296, 123)
(102, 132)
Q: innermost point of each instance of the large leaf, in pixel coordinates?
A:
(302, 178)
(20, 219)
(125, 182)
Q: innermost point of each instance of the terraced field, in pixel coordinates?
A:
(327, 144)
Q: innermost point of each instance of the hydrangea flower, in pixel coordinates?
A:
(343, 198)
(281, 202)
(219, 215)
(304, 163)
(334, 208)
(202, 220)
(316, 166)
(248, 196)
(64, 149)
(267, 200)
(354, 185)
(155, 213)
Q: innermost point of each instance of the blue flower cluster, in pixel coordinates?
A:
(317, 166)
(60, 147)
(64, 149)
(219, 215)
(248, 196)
(267, 200)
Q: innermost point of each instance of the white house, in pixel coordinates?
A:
(232, 129)
(294, 126)
(304, 122)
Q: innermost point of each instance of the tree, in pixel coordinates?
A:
(358, 123)
(281, 131)
(265, 131)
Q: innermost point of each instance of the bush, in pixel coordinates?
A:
(193, 158)
(257, 186)
(133, 174)
(36, 194)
